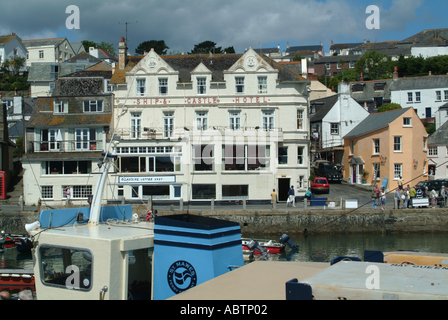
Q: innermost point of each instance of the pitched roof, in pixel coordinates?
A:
(374, 122)
(43, 42)
(425, 82)
(425, 34)
(84, 56)
(323, 106)
(4, 39)
(217, 64)
(440, 136)
(333, 59)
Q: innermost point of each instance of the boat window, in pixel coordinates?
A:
(69, 268)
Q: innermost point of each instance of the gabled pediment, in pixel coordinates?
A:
(152, 63)
(251, 61)
(201, 68)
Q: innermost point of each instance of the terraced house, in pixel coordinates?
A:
(202, 127)
(65, 137)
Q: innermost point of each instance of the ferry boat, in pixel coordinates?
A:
(107, 252)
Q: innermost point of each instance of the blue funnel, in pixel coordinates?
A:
(190, 250)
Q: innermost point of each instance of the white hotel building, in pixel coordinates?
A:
(201, 127)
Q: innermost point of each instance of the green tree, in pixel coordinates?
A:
(206, 47)
(388, 107)
(101, 45)
(159, 47)
(374, 65)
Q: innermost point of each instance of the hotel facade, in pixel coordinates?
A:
(201, 127)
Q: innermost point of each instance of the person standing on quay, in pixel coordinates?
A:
(273, 198)
(292, 197)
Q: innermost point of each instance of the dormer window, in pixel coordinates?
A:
(60, 106)
(379, 86)
(202, 85)
(357, 87)
(93, 106)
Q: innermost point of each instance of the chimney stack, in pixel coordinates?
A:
(395, 74)
(122, 53)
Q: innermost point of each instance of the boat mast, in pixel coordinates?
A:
(95, 208)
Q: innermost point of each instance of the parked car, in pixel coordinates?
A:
(432, 184)
(323, 168)
(320, 185)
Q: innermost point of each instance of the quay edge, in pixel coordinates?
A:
(293, 221)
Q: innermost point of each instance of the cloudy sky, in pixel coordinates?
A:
(238, 23)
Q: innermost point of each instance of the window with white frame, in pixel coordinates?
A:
(418, 97)
(203, 157)
(397, 170)
(327, 66)
(168, 124)
(301, 182)
(406, 122)
(438, 95)
(376, 146)
(352, 65)
(41, 54)
(424, 143)
(93, 106)
(201, 120)
(446, 95)
(239, 84)
(300, 155)
(397, 143)
(202, 85)
(141, 87)
(163, 87)
(432, 151)
(85, 139)
(136, 125)
(60, 106)
(268, 120)
(262, 85)
(235, 119)
(81, 192)
(352, 146)
(46, 192)
(245, 157)
(282, 155)
(334, 128)
(410, 97)
(299, 119)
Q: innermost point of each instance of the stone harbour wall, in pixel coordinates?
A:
(293, 222)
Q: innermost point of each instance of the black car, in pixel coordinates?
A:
(325, 169)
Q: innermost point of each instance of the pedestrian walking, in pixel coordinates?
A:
(374, 198)
(397, 198)
(383, 198)
(433, 196)
(443, 194)
(291, 197)
(406, 197)
(67, 195)
(412, 195)
(273, 197)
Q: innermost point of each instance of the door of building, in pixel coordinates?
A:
(283, 188)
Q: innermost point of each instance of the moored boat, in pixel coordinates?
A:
(15, 280)
(270, 246)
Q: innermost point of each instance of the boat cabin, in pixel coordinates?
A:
(89, 262)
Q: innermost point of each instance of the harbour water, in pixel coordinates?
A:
(323, 248)
(314, 248)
